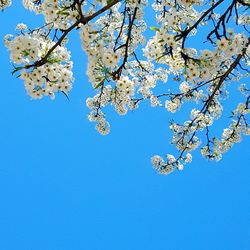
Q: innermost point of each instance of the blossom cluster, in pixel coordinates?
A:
(109, 55)
(42, 76)
(4, 4)
(59, 13)
(172, 163)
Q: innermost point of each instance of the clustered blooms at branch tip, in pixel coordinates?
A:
(125, 67)
(4, 4)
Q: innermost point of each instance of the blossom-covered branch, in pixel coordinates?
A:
(169, 68)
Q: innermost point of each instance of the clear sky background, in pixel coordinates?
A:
(65, 187)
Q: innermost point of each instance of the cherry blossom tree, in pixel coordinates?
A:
(126, 68)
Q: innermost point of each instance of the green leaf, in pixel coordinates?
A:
(64, 11)
(154, 28)
(53, 60)
(99, 85)
(25, 52)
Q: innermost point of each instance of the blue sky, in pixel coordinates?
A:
(65, 187)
